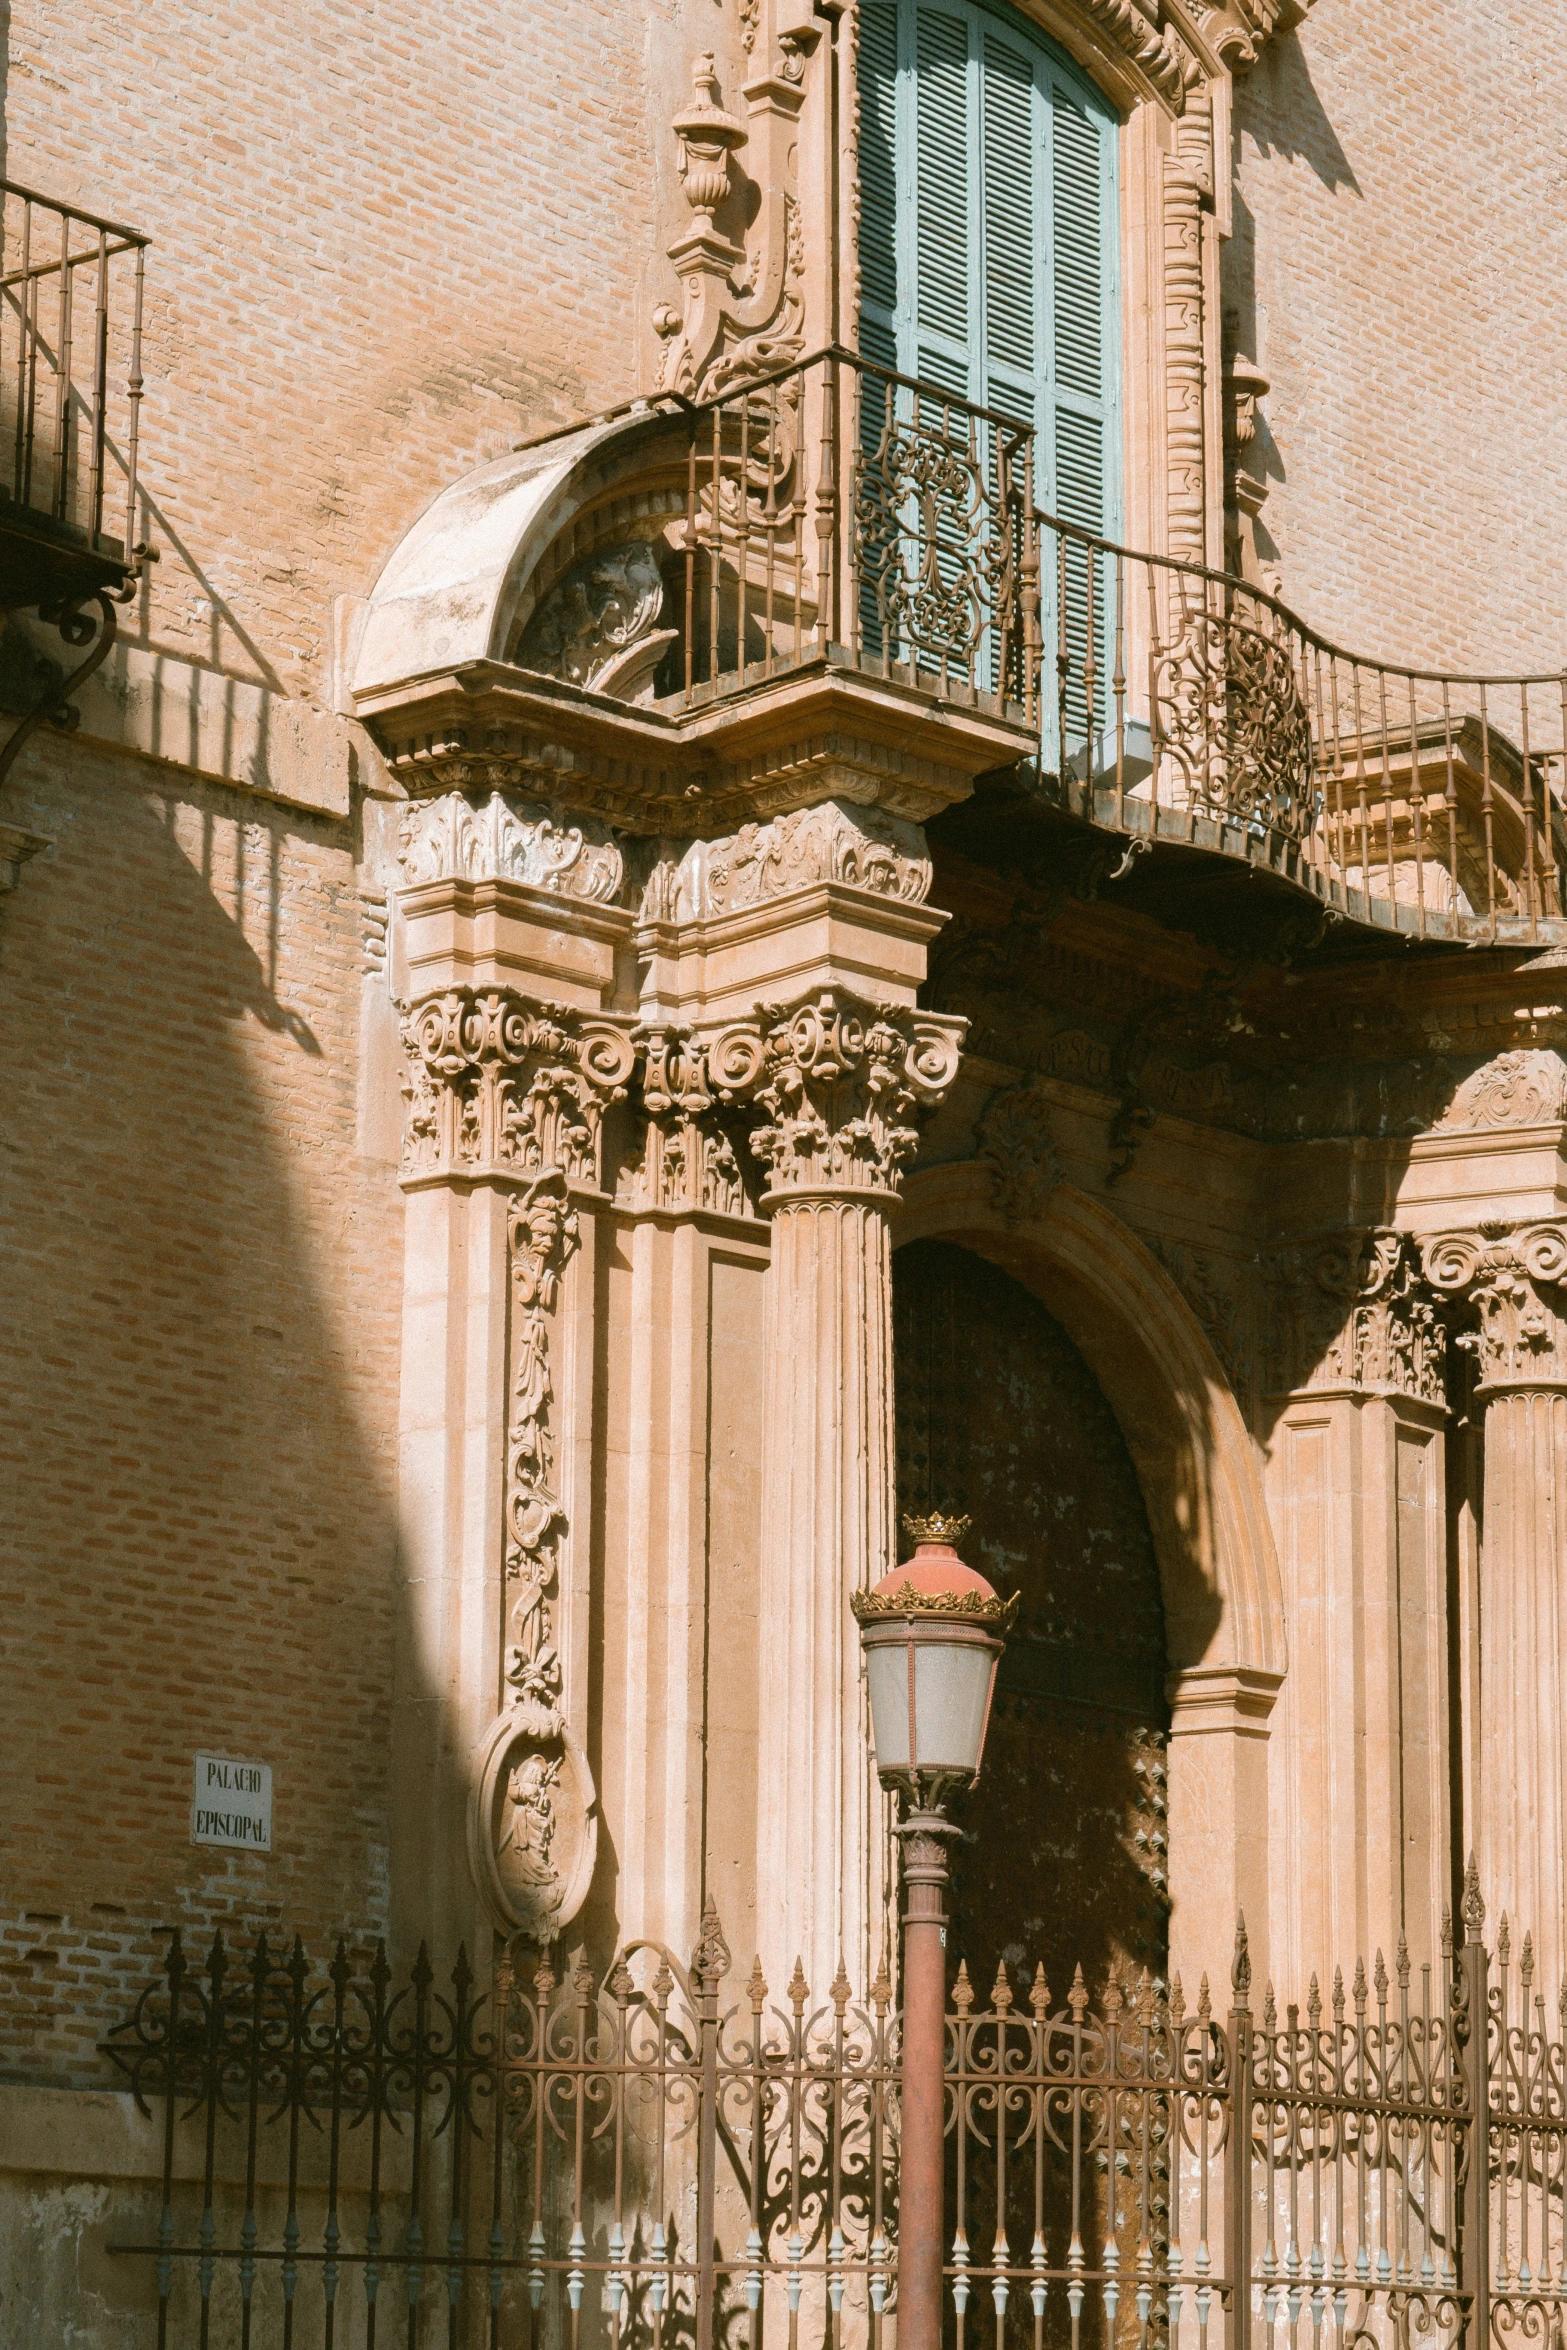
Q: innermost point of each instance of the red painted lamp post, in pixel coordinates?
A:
(932, 1633)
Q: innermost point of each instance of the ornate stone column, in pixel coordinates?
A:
(1358, 1758)
(1516, 1278)
(505, 943)
(838, 1081)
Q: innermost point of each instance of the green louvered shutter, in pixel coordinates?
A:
(988, 246)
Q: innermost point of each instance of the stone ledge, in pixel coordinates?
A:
(228, 728)
(98, 2134)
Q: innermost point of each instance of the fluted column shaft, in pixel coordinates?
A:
(1521, 1775)
(838, 1083)
(828, 1499)
(1515, 1277)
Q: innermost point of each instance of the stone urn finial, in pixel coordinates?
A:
(706, 136)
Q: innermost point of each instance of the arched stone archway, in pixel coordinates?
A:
(999, 1417)
(1202, 1489)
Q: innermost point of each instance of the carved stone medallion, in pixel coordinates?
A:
(533, 1824)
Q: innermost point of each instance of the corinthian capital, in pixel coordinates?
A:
(840, 1084)
(1353, 1310)
(499, 1085)
(1514, 1276)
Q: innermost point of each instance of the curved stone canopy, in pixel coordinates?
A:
(461, 581)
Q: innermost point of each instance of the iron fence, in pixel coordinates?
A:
(1191, 707)
(656, 2158)
(70, 366)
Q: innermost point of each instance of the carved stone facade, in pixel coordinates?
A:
(499, 1085)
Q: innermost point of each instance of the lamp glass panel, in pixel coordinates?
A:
(887, 1676)
(951, 1686)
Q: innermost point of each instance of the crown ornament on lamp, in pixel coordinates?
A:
(932, 1632)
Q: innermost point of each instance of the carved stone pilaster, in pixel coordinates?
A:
(1516, 1278)
(841, 1082)
(1355, 1311)
(533, 1829)
(498, 1085)
(1188, 180)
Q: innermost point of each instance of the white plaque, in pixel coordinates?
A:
(231, 1803)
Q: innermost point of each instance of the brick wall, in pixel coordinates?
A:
(1397, 270)
(389, 240)
(198, 1363)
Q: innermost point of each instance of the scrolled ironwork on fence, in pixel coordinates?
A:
(670, 2155)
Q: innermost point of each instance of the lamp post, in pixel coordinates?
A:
(932, 1633)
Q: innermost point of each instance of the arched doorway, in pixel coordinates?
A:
(998, 1416)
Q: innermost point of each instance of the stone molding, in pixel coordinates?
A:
(839, 840)
(453, 839)
(841, 1082)
(498, 1085)
(1355, 1310)
(1515, 1276)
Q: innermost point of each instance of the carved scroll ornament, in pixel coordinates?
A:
(838, 841)
(688, 1158)
(498, 1084)
(1515, 1276)
(1355, 1310)
(452, 839)
(841, 1083)
(1017, 1143)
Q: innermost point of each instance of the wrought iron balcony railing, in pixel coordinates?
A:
(839, 509)
(70, 393)
(1194, 709)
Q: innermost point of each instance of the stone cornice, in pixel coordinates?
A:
(840, 1083)
(1514, 1276)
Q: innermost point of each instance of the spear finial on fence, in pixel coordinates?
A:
(1504, 1941)
(1145, 2000)
(1526, 1965)
(1379, 1978)
(1270, 2013)
(1077, 1997)
(756, 1988)
(1240, 1965)
(881, 1989)
(842, 1989)
(963, 1989)
(799, 1988)
(1447, 1931)
(1314, 2006)
(1474, 1907)
(1039, 1996)
(1204, 2002)
(1402, 1963)
(1360, 1986)
(1338, 1995)
(710, 1961)
(1177, 2004)
(1001, 1989)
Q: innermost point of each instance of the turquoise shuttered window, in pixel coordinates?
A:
(988, 232)
(989, 249)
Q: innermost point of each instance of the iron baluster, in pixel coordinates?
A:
(1237, 2192)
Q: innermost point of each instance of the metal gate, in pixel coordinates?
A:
(668, 2156)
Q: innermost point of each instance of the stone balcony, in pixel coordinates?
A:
(833, 583)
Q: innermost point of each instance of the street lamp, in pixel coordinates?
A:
(932, 1632)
